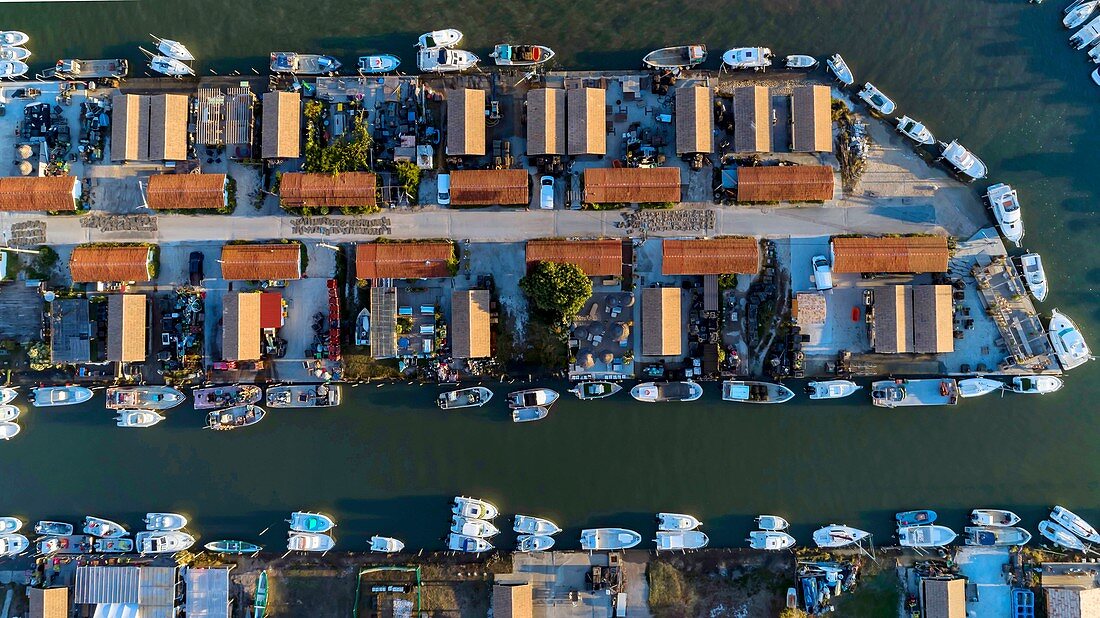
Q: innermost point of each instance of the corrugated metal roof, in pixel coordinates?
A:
(241, 326)
(207, 592)
(107, 584)
(126, 322)
(716, 256)
(335, 191)
(907, 254)
(383, 322)
(785, 183)
(70, 330)
(587, 130)
(694, 119)
(39, 193)
(110, 263)
(262, 262)
(186, 191)
(661, 323)
(470, 335)
(490, 187)
(466, 121)
(752, 119)
(129, 127)
(546, 121)
(631, 185)
(224, 115)
(403, 260)
(597, 258)
(812, 117)
(282, 125)
(168, 127)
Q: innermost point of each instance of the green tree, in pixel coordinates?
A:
(408, 175)
(557, 290)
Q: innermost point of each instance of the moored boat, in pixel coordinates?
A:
(170, 66)
(11, 38)
(474, 397)
(165, 522)
(259, 604)
(1087, 35)
(770, 540)
(13, 544)
(173, 49)
(919, 392)
(976, 387)
(750, 391)
(506, 54)
(473, 527)
(445, 60)
(436, 39)
(651, 392)
(757, 58)
(772, 523)
(925, 536)
(1034, 275)
(235, 417)
(1074, 523)
(9, 430)
(676, 57)
(232, 547)
(14, 53)
(535, 526)
(1035, 385)
(601, 539)
(385, 544)
(7, 394)
(374, 65)
(309, 541)
(113, 546)
(75, 68)
(533, 542)
(13, 68)
(876, 99)
(53, 528)
(144, 397)
(831, 389)
(799, 61)
(48, 396)
(8, 413)
(677, 521)
(304, 396)
(532, 397)
(1005, 203)
(964, 161)
(214, 397)
(1061, 537)
(1067, 340)
(993, 517)
(840, 69)
(303, 521)
(914, 518)
(71, 544)
(467, 544)
(137, 418)
(595, 389)
(9, 525)
(915, 131)
(681, 539)
(474, 508)
(104, 528)
(362, 321)
(303, 64)
(837, 535)
(527, 414)
(1078, 13)
(1003, 536)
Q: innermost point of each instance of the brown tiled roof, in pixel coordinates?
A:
(347, 189)
(282, 126)
(587, 119)
(92, 263)
(661, 325)
(241, 326)
(470, 324)
(943, 598)
(465, 121)
(39, 193)
(262, 262)
(403, 260)
(597, 258)
(126, 321)
(752, 119)
(48, 602)
(694, 119)
(785, 183)
(129, 127)
(812, 117)
(168, 127)
(546, 121)
(512, 601)
(933, 319)
(717, 256)
(186, 191)
(489, 187)
(909, 254)
(631, 185)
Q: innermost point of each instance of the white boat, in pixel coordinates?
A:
(596, 389)
(309, 541)
(799, 61)
(385, 544)
(165, 522)
(14, 53)
(362, 321)
(770, 540)
(751, 391)
(474, 397)
(137, 418)
(473, 527)
(919, 392)
(837, 535)
(1005, 536)
(303, 64)
(652, 392)
(170, 66)
(235, 417)
(467, 544)
(53, 528)
(13, 68)
(840, 69)
(9, 413)
(771, 523)
(533, 542)
(11, 38)
(747, 58)
(1094, 54)
(1034, 276)
(1005, 203)
(1096, 75)
(7, 395)
(8, 525)
(534, 526)
(676, 57)
(1035, 385)
(48, 396)
(602, 539)
(439, 38)
(976, 387)
(915, 131)
(1079, 13)
(993, 518)
(925, 536)
(445, 60)
(1087, 35)
(875, 98)
(145, 397)
(13, 544)
(316, 523)
(9, 430)
(104, 528)
(521, 55)
(173, 49)
(376, 65)
(532, 397)
(1068, 342)
(474, 508)
(681, 539)
(527, 414)
(964, 161)
(1074, 523)
(831, 389)
(677, 521)
(1060, 536)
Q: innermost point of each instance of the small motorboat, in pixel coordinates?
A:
(915, 518)
(1096, 74)
(215, 397)
(48, 396)
(1034, 276)
(532, 397)
(757, 58)
(13, 38)
(837, 535)
(1079, 13)
(771, 523)
(8, 413)
(1068, 342)
(375, 65)
(1094, 54)
(259, 603)
(474, 508)
(104, 528)
(235, 417)
(173, 49)
(53, 528)
(304, 396)
(137, 418)
(70, 545)
(165, 522)
(751, 391)
(302, 521)
(464, 398)
(996, 536)
(1005, 203)
(13, 544)
(473, 527)
(993, 518)
(800, 61)
(170, 66)
(309, 541)
(1074, 523)
(439, 39)
(534, 526)
(232, 547)
(521, 55)
(9, 430)
(303, 64)
(840, 69)
(831, 389)
(113, 546)
(877, 101)
(13, 68)
(144, 397)
(362, 321)
(964, 161)
(601, 539)
(1087, 35)
(7, 394)
(652, 392)
(527, 414)
(681, 539)
(915, 131)
(8, 525)
(385, 544)
(76, 68)
(976, 387)
(770, 540)
(1061, 537)
(1035, 385)
(596, 389)
(14, 53)
(467, 544)
(925, 536)
(533, 542)
(676, 57)
(677, 521)
(445, 60)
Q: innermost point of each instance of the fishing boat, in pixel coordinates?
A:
(137, 418)
(304, 396)
(770, 540)
(532, 397)
(9, 413)
(681, 539)
(362, 326)
(528, 543)
(165, 522)
(439, 38)
(1006, 210)
(601, 539)
(53, 528)
(170, 66)
(13, 68)
(385, 544)
(145, 397)
(72, 544)
(309, 541)
(915, 131)
(527, 414)
(595, 389)
(1087, 35)
(976, 387)
(915, 518)
(677, 57)
(173, 49)
(521, 55)
(876, 100)
(534, 526)
(1004, 536)
(75, 68)
(757, 58)
(474, 397)
(7, 395)
(13, 544)
(474, 508)
(149, 542)
(840, 69)
(445, 60)
(113, 546)
(14, 53)
(1060, 536)
(749, 391)
(375, 65)
(1034, 276)
(1079, 13)
(831, 389)
(837, 535)
(48, 396)
(232, 547)
(677, 521)
(214, 397)
(9, 525)
(1068, 342)
(259, 604)
(964, 161)
(921, 392)
(772, 523)
(925, 536)
(660, 392)
(467, 544)
(799, 61)
(303, 64)
(303, 521)
(9, 430)
(473, 527)
(1035, 385)
(235, 417)
(1074, 523)
(11, 38)
(104, 528)
(993, 518)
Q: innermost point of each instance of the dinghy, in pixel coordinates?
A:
(173, 49)
(372, 65)
(385, 544)
(1060, 536)
(7, 395)
(113, 546)
(144, 397)
(8, 413)
(48, 396)
(532, 397)
(757, 58)
(800, 61)
(676, 57)
(677, 521)
(165, 522)
(964, 161)
(840, 69)
(439, 38)
(473, 527)
(1035, 385)
(533, 542)
(1006, 210)
(876, 100)
(597, 389)
(13, 544)
(444, 60)
(103, 528)
(1074, 523)
(655, 392)
(915, 131)
(925, 536)
(770, 540)
(137, 418)
(528, 414)
(1034, 275)
(303, 521)
(169, 66)
(474, 508)
(752, 391)
(987, 536)
(521, 55)
(914, 518)
(1068, 342)
(976, 387)
(464, 398)
(1079, 13)
(831, 389)
(534, 526)
(993, 517)
(467, 544)
(259, 603)
(681, 539)
(837, 535)
(771, 523)
(215, 397)
(309, 541)
(232, 547)
(53, 528)
(235, 417)
(601, 539)
(9, 430)
(163, 542)
(8, 525)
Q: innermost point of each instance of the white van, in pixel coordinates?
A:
(823, 273)
(546, 193)
(443, 184)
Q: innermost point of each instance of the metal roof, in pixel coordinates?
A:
(546, 121)
(383, 322)
(587, 118)
(631, 185)
(694, 119)
(470, 334)
(224, 115)
(107, 584)
(282, 125)
(126, 326)
(812, 117)
(465, 121)
(752, 119)
(661, 324)
(71, 330)
(207, 592)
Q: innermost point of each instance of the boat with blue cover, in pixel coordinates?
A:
(914, 518)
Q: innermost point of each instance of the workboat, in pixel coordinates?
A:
(1074, 523)
(376, 65)
(9, 413)
(464, 398)
(799, 61)
(1004, 536)
(303, 64)
(925, 536)
(1087, 35)
(840, 69)
(137, 418)
(914, 518)
(467, 544)
(681, 539)
(309, 541)
(875, 98)
(537, 526)
(259, 604)
(1034, 276)
(521, 55)
(533, 542)
(69, 544)
(755, 392)
(104, 528)
(1060, 536)
(385, 544)
(681, 56)
(173, 49)
(1005, 203)
(770, 540)
(532, 397)
(144, 397)
(9, 430)
(474, 508)
(362, 328)
(11, 38)
(9, 525)
(527, 414)
(921, 392)
(1035, 385)
(993, 517)
(48, 396)
(439, 38)
(1078, 13)
(163, 542)
(170, 66)
(596, 389)
(1068, 342)
(232, 547)
(771, 523)
(666, 391)
(13, 544)
(837, 535)
(756, 58)
(677, 521)
(7, 395)
(976, 387)
(915, 131)
(14, 53)
(473, 527)
(215, 397)
(164, 522)
(302, 521)
(53, 528)
(831, 389)
(304, 396)
(601, 539)
(112, 546)
(963, 160)
(75, 68)
(445, 60)
(235, 417)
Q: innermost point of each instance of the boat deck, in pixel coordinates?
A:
(930, 392)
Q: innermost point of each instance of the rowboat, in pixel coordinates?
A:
(302, 521)
(232, 547)
(144, 397)
(799, 61)
(13, 68)
(163, 542)
(532, 543)
(913, 518)
(7, 394)
(48, 396)
(215, 397)
(474, 397)
(165, 522)
(14, 53)
(596, 389)
(137, 418)
(385, 544)
(677, 521)
(235, 417)
(536, 526)
(9, 413)
(103, 528)
(601, 539)
(11, 38)
(259, 605)
(474, 508)
(9, 430)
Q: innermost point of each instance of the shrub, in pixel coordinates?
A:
(557, 290)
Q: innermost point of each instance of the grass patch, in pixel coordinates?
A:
(670, 594)
(875, 596)
(359, 365)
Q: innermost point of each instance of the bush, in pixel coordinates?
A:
(350, 153)
(670, 594)
(727, 281)
(657, 205)
(408, 176)
(556, 290)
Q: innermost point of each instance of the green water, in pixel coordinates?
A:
(998, 75)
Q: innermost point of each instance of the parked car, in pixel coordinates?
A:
(823, 273)
(444, 188)
(546, 193)
(195, 268)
